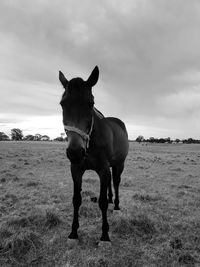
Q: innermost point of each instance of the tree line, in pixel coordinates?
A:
(168, 140)
(17, 135)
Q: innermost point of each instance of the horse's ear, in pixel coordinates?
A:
(94, 76)
(62, 79)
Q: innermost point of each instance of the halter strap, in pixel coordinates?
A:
(84, 135)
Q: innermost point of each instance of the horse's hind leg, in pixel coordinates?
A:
(105, 177)
(116, 172)
(110, 194)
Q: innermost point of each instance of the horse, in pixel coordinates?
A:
(94, 143)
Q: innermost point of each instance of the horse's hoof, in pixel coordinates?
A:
(104, 244)
(72, 243)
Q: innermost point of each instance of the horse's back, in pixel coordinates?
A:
(115, 121)
(120, 143)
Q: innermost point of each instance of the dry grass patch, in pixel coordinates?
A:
(37, 220)
(127, 183)
(32, 183)
(21, 237)
(9, 199)
(87, 194)
(138, 225)
(20, 247)
(147, 197)
(90, 210)
(52, 219)
(89, 180)
(121, 253)
(7, 177)
(186, 259)
(98, 261)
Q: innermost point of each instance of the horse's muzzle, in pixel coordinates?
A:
(75, 155)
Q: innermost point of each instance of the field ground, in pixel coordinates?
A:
(160, 202)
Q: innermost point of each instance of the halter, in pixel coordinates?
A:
(84, 135)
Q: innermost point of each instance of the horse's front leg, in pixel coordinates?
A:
(77, 174)
(105, 177)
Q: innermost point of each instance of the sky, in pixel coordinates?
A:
(147, 51)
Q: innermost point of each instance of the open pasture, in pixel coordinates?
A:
(159, 224)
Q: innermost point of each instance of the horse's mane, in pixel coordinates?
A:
(98, 113)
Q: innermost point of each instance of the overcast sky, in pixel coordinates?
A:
(148, 53)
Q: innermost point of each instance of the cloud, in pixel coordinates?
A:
(187, 78)
(29, 99)
(147, 51)
(182, 104)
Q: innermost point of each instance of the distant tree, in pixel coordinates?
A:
(177, 140)
(162, 140)
(3, 137)
(37, 137)
(151, 139)
(190, 141)
(140, 139)
(168, 140)
(45, 138)
(60, 139)
(16, 134)
(29, 137)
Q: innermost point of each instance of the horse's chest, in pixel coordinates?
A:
(90, 162)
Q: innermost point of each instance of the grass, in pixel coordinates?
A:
(19, 247)
(147, 197)
(52, 219)
(90, 210)
(159, 197)
(21, 240)
(36, 220)
(140, 225)
(32, 183)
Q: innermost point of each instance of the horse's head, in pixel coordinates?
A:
(77, 104)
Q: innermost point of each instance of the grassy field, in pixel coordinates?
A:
(160, 202)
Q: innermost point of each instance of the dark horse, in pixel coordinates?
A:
(94, 142)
